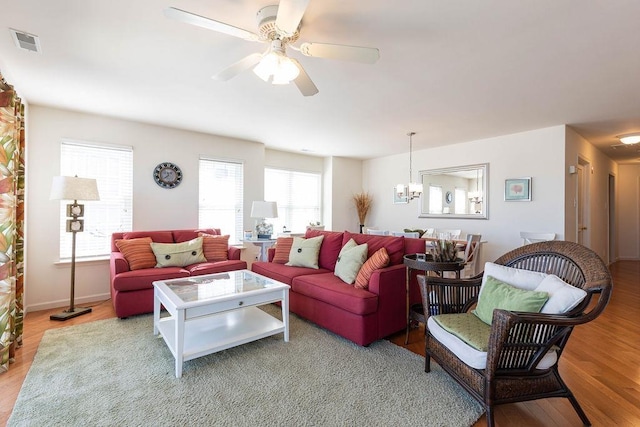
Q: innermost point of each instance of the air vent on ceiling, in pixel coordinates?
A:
(26, 41)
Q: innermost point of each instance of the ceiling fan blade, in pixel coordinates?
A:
(289, 16)
(210, 24)
(238, 67)
(303, 82)
(368, 55)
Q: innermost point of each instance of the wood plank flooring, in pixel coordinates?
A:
(600, 364)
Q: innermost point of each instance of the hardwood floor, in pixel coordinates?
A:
(600, 364)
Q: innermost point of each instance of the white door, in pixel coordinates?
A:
(583, 203)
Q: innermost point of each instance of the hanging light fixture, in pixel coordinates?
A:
(475, 197)
(414, 189)
(277, 65)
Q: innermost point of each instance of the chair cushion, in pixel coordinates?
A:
(498, 294)
(178, 254)
(467, 327)
(562, 296)
(304, 252)
(523, 279)
(350, 260)
(473, 357)
(377, 261)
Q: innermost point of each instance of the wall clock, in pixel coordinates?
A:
(448, 197)
(167, 175)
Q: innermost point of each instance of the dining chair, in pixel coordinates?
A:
(413, 234)
(471, 255)
(429, 232)
(453, 233)
(377, 232)
(532, 237)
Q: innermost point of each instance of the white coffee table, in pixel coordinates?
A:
(214, 312)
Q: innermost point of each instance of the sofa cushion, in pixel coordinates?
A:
(178, 254)
(393, 244)
(283, 273)
(180, 236)
(216, 267)
(282, 249)
(329, 289)
(331, 245)
(137, 252)
(215, 247)
(378, 260)
(350, 260)
(304, 252)
(143, 279)
(498, 294)
(156, 236)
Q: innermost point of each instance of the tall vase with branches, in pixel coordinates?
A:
(363, 202)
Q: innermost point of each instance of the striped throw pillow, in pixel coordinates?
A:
(216, 248)
(137, 252)
(379, 259)
(283, 247)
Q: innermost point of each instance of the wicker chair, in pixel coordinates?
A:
(518, 341)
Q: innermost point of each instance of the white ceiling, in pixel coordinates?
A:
(450, 70)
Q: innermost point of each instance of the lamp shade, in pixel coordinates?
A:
(264, 210)
(74, 188)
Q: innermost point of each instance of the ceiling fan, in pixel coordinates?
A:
(279, 27)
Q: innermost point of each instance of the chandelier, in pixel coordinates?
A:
(414, 189)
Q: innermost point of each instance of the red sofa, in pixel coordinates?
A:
(132, 291)
(360, 315)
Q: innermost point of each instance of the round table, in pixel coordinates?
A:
(425, 263)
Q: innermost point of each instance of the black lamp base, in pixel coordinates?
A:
(68, 314)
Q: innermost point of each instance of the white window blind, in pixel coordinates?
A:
(112, 168)
(298, 195)
(435, 199)
(221, 197)
(461, 201)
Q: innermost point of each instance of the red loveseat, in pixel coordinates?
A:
(132, 291)
(360, 315)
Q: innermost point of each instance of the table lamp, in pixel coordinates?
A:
(73, 188)
(261, 210)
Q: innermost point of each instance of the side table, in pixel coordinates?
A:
(426, 264)
(263, 244)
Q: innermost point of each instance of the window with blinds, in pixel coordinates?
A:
(298, 195)
(112, 167)
(221, 192)
(435, 199)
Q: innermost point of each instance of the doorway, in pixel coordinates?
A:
(611, 232)
(582, 206)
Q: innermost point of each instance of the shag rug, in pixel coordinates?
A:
(117, 373)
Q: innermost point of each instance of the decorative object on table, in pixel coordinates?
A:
(315, 225)
(444, 250)
(414, 189)
(260, 210)
(517, 189)
(415, 230)
(73, 188)
(363, 203)
(167, 175)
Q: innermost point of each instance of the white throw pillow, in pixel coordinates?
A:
(523, 279)
(350, 260)
(562, 296)
(304, 252)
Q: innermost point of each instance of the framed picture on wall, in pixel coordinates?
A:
(398, 198)
(517, 189)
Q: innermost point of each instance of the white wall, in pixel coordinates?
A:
(344, 177)
(538, 154)
(47, 283)
(628, 211)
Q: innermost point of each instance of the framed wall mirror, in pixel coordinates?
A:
(456, 192)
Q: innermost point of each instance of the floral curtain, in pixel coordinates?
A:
(12, 168)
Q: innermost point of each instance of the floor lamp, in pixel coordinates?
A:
(73, 188)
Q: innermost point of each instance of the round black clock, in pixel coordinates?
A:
(167, 175)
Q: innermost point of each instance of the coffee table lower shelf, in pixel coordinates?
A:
(217, 332)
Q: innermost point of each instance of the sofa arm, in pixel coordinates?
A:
(118, 263)
(234, 252)
(271, 252)
(387, 280)
(390, 286)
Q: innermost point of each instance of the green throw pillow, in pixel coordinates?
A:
(304, 252)
(178, 254)
(497, 294)
(350, 260)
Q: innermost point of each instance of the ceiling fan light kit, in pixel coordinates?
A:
(278, 25)
(630, 138)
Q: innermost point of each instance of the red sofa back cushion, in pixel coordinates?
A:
(330, 249)
(180, 236)
(393, 244)
(161, 236)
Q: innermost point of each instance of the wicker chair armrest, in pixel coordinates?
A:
(519, 340)
(442, 295)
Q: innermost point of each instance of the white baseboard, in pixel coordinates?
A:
(65, 303)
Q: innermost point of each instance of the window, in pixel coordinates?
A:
(112, 168)
(221, 197)
(435, 199)
(298, 195)
(461, 201)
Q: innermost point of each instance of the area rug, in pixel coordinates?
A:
(117, 373)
